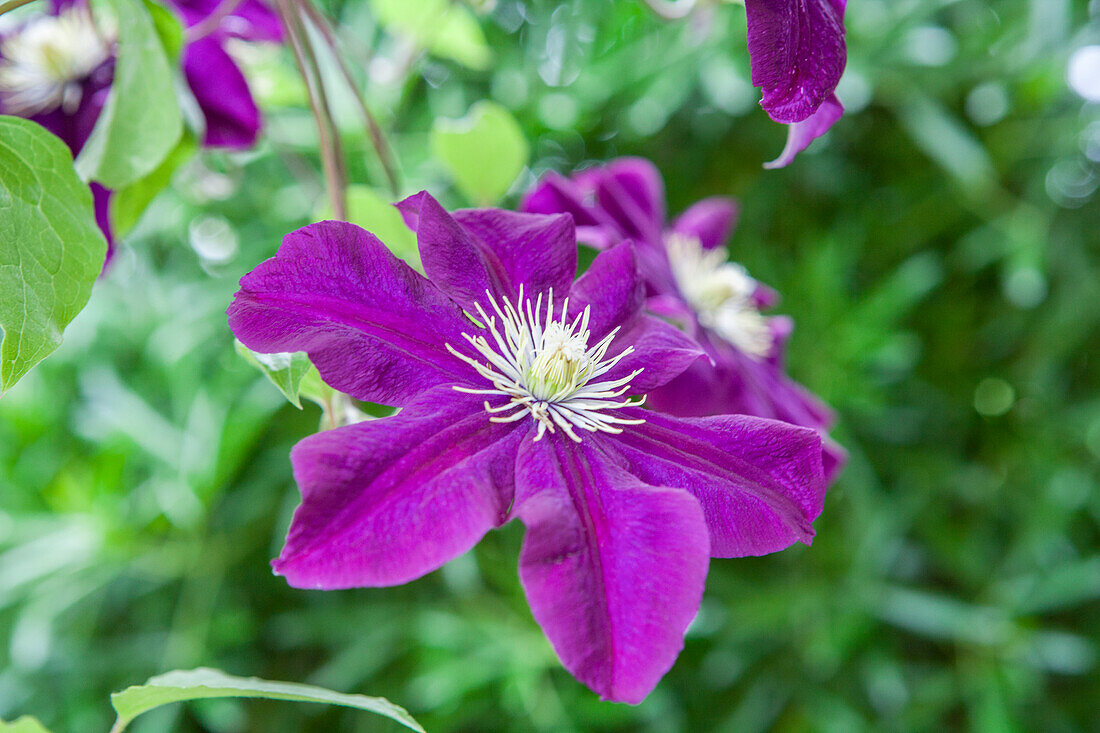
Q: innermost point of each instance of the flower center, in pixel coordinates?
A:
(721, 293)
(543, 364)
(43, 63)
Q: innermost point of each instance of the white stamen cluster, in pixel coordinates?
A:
(721, 293)
(542, 363)
(43, 64)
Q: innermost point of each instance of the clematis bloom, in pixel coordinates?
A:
(520, 393)
(798, 53)
(56, 68)
(690, 282)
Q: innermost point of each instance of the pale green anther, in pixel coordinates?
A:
(561, 367)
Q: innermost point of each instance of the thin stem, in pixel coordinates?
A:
(378, 139)
(12, 5)
(331, 157)
(210, 23)
(322, 98)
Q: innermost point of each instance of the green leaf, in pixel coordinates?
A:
(293, 373)
(26, 724)
(458, 37)
(141, 122)
(168, 28)
(445, 29)
(129, 203)
(203, 683)
(51, 249)
(484, 151)
(377, 215)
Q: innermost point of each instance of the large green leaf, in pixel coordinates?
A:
(51, 250)
(484, 151)
(26, 724)
(141, 122)
(196, 684)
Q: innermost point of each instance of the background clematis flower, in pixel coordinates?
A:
(232, 117)
(520, 393)
(798, 53)
(690, 282)
(56, 68)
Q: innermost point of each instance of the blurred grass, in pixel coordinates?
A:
(938, 251)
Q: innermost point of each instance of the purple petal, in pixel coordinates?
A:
(74, 128)
(612, 287)
(556, 194)
(797, 52)
(740, 384)
(374, 327)
(801, 134)
(613, 569)
(760, 482)
(661, 351)
(452, 259)
(735, 383)
(632, 192)
(710, 221)
(101, 200)
(232, 118)
(386, 501)
(537, 251)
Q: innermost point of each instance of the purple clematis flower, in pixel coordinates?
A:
(798, 54)
(689, 282)
(56, 68)
(520, 394)
(219, 86)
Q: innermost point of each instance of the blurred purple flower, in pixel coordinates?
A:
(56, 68)
(519, 392)
(690, 283)
(232, 118)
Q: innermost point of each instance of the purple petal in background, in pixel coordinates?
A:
(613, 569)
(101, 199)
(374, 327)
(632, 191)
(386, 501)
(760, 482)
(710, 221)
(75, 127)
(797, 52)
(612, 287)
(801, 134)
(232, 118)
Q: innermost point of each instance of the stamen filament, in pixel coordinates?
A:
(543, 364)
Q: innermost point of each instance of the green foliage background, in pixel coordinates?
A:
(939, 252)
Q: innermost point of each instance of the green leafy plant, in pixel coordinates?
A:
(50, 247)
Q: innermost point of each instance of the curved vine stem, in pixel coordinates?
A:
(12, 5)
(378, 139)
(332, 158)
